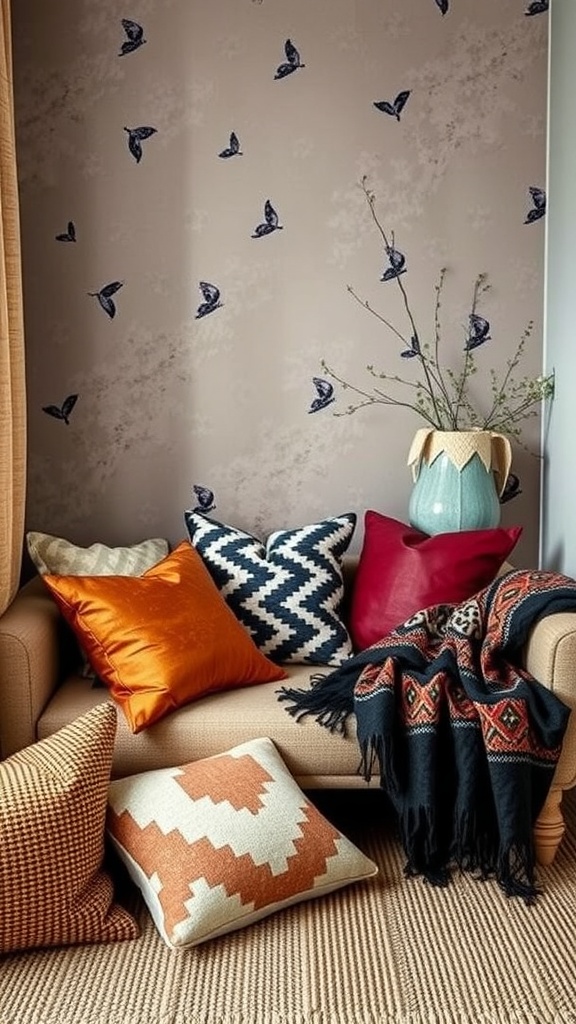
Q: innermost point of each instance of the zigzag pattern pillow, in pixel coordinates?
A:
(287, 592)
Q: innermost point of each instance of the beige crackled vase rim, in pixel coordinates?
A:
(493, 449)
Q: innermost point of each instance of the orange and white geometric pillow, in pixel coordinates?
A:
(217, 844)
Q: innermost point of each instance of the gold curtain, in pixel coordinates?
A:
(12, 378)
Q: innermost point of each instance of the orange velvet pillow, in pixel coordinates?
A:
(162, 639)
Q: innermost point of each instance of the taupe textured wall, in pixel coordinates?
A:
(171, 395)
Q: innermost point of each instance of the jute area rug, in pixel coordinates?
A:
(390, 951)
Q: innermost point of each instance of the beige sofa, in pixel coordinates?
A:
(40, 691)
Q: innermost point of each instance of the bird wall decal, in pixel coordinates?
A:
(136, 137)
(537, 7)
(397, 105)
(62, 412)
(270, 222)
(397, 264)
(233, 149)
(443, 6)
(539, 204)
(324, 394)
(292, 62)
(104, 297)
(414, 349)
(205, 498)
(511, 488)
(211, 299)
(134, 37)
(69, 235)
(478, 332)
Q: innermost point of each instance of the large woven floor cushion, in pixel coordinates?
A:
(53, 890)
(219, 843)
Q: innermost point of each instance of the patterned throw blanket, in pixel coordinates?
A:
(465, 740)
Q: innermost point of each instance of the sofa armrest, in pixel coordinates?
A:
(36, 649)
(550, 657)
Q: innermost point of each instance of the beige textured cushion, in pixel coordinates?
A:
(60, 557)
(219, 843)
(53, 890)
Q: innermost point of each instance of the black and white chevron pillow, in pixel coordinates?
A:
(288, 592)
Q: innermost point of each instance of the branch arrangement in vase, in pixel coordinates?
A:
(440, 395)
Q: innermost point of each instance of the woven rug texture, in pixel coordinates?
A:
(389, 951)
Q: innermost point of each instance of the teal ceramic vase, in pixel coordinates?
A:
(458, 479)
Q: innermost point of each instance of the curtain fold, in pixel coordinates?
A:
(12, 369)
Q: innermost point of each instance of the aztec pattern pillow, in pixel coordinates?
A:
(162, 639)
(222, 842)
(53, 890)
(402, 570)
(287, 592)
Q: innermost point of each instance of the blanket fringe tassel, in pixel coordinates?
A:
(474, 846)
(331, 703)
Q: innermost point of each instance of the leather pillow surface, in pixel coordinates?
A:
(160, 640)
(53, 891)
(219, 843)
(402, 570)
(288, 591)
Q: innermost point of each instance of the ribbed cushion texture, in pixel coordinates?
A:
(220, 843)
(288, 591)
(160, 640)
(58, 556)
(53, 889)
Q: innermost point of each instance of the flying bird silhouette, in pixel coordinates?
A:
(62, 412)
(324, 394)
(511, 488)
(396, 107)
(233, 149)
(537, 7)
(478, 329)
(270, 221)
(134, 37)
(211, 299)
(69, 235)
(205, 498)
(135, 137)
(104, 297)
(292, 61)
(414, 349)
(443, 5)
(397, 264)
(539, 208)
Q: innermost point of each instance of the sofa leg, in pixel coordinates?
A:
(549, 828)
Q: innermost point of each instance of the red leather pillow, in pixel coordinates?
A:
(402, 570)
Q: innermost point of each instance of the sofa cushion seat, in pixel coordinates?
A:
(316, 757)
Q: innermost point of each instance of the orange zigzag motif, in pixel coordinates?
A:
(178, 863)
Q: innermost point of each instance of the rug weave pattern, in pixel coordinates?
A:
(388, 951)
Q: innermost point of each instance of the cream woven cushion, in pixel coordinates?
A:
(56, 556)
(222, 842)
(53, 890)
